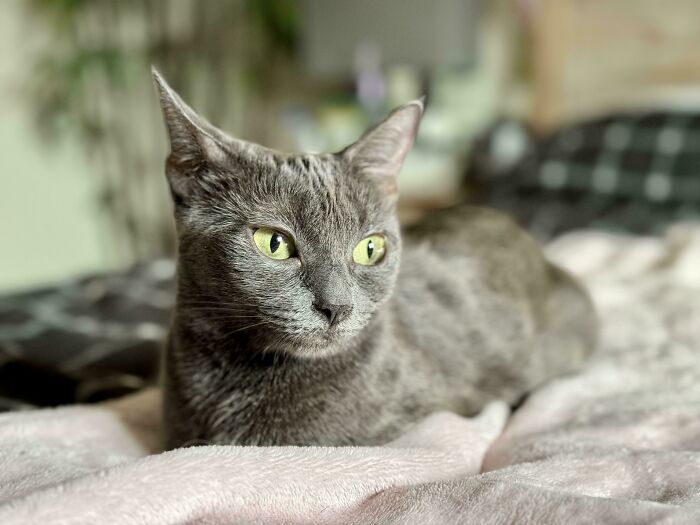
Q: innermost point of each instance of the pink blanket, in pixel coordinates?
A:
(619, 442)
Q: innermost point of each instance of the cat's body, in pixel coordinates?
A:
(457, 332)
(317, 349)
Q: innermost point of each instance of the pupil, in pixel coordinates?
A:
(275, 241)
(370, 248)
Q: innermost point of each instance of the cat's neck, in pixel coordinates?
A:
(271, 393)
(194, 334)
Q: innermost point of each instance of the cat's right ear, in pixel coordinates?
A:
(380, 152)
(195, 144)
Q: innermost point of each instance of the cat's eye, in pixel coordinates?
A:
(369, 250)
(273, 244)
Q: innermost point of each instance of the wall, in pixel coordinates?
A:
(48, 224)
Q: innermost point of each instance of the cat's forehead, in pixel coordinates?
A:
(312, 191)
(316, 176)
(304, 163)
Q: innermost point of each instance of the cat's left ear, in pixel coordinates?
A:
(380, 152)
(192, 138)
(196, 146)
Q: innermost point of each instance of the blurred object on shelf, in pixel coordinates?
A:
(397, 50)
(422, 33)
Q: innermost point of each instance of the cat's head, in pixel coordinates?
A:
(295, 252)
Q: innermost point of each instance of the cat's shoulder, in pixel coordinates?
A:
(464, 237)
(472, 224)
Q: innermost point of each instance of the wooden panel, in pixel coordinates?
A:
(592, 56)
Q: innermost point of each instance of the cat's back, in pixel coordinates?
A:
(476, 293)
(480, 242)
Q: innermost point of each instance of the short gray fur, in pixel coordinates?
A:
(463, 308)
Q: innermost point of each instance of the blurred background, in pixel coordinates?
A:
(83, 144)
(567, 114)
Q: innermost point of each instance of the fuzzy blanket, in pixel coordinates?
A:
(616, 443)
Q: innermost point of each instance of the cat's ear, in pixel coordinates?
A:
(380, 152)
(195, 144)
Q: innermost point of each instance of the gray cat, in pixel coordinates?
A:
(305, 317)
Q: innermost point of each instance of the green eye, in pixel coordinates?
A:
(369, 250)
(273, 244)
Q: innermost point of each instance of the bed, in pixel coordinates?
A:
(618, 442)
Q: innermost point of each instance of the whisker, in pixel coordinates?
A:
(229, 334)
(230, 317)
(215, 309)
(214, 303)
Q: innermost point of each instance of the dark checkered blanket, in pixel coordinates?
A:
(635, 172)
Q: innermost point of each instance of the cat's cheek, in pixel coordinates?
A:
(276, 270)
(373, 287)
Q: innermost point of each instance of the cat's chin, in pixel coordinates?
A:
(311, 353)
(314, 346)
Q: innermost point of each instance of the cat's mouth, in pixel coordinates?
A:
(315, 342)
(327, 335)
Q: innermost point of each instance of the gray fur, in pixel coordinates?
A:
(475, 312)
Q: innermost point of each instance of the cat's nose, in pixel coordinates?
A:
(334, 312)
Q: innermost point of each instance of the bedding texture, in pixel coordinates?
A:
(617, 443)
